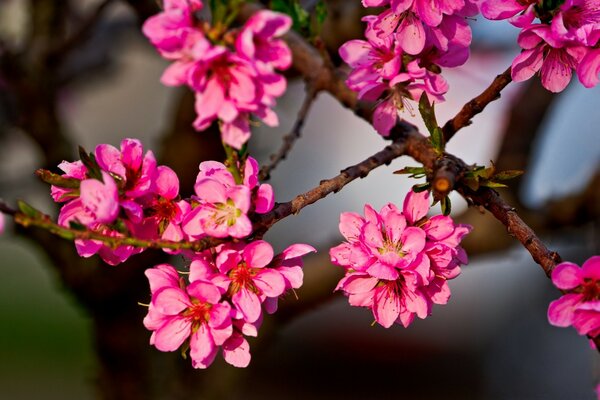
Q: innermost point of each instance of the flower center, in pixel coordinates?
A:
(198, 313)
(226, 213)
(242, 277)
(590, 289)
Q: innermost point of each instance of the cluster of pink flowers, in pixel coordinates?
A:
(580, 306)
(233, 74)
(221, 205)
(121, 191)
(125, 192)
(229, 288)
(398, 262)
(406, 46)
(565, 39)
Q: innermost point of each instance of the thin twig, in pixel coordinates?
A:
(328, 186)
(45, 222)
(476, 105)
(290, 138)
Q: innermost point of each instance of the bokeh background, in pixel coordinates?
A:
(71, 328)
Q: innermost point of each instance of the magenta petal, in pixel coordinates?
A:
(566, 276)
(162, 275)
(240, 196)
(386, 307)
(204, 291)
(265, 199)
(416, 206)
(258, 254)
(211, 191)
(383, 271)
(236, 351)
(202, 347)
(350, 225)
(270, 282)
(526, 64)
(591, 268)
(560, 312)
(170, 300)
(359, 284)
(293, 276)
(413, 240)
(109, 159)
(241, 228)
(167, 183)
(172, 334)
(385, 117)
(248, 303)
(297, 250)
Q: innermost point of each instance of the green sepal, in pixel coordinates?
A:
(28, 210)
(412, 172)
(421, 187)
(89, 160)
(446, 205)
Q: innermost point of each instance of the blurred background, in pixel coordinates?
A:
(80, 73)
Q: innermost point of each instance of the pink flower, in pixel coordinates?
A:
(580, 307)
(249, 282)
(71, 170)
(397, 262)
(222, 211)
(1, 223)
(556, 64)
(100, 198)
(194, 313)
(136, 169)
(258, 41)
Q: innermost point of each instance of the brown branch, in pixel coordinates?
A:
(516, 227)
(308, 62)
(476, 105)
(328, 186)
(290, 138)
(43, 221)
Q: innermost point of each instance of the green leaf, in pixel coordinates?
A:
(437, 140)
(549, 5)
(57, 180)
(28, 210)
(421, 187)
(428, 113)
(300, 17)
(412, 172)
(446, 205)
(472, 183)
(492, 184)
(89, 160)
(321, 12)
(508, 174)
(77, 226)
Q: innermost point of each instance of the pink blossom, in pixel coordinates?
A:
(398, 262)
(258, 41)
(555, 64)
(71, 170)
(222, 211)
(249, 282)
(580, 307)
(195, 313)
(136, 169)
(100, 198)
(2, 223)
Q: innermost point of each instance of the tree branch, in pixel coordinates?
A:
(290, 138)
(476, 105)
